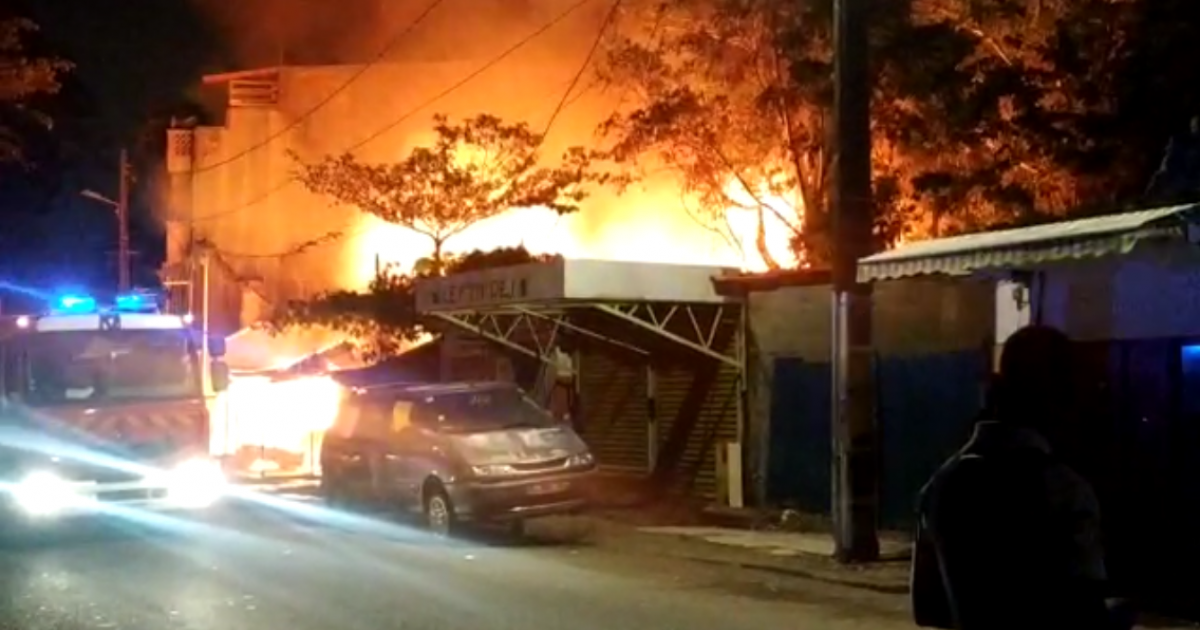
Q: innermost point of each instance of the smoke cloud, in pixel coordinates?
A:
(310, 32)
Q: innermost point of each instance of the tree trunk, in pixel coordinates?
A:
(760, 242)
(439, 266)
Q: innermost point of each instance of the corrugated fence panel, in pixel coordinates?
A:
(799, 463)
(612, 407)
(927, 405)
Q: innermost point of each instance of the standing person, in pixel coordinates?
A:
(1009, 535)
(562, 394)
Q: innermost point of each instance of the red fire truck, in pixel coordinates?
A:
(103, 410)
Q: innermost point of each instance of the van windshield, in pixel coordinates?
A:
(482, 410)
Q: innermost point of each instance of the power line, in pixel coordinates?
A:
(380, 56)
(587, 61)
(472, 76)
(566, 97)
(271, 192)
(416, 110)
(300, 248)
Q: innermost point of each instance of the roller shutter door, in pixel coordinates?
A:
(612, 409)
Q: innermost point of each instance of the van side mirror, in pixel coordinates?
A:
(219, 375)
(216, 346)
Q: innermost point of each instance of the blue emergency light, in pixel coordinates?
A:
(74, 304)
(78, 304)
(137, 303)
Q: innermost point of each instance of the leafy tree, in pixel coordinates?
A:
(697, 74)
(384, 318)
(1001, 102)
(22, 79)
(1135, 63)
(475, 170)
(971, 108)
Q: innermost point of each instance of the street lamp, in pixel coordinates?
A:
(95, 196)
(122, 211)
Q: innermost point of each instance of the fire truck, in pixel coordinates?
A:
(103, 410)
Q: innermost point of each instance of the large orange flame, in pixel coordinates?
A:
(651, 225)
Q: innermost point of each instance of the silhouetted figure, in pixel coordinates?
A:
(1178, 177)
(1009, 535)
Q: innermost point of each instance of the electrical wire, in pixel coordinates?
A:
(271, 192)
(414, 111)
(495, 61)
(362, 70)
(587, 62)
(566, 97)
(328, 237)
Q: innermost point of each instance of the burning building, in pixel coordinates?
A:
(272, 241)
(245, 238)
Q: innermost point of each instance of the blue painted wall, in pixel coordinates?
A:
(927, 405)
(798, 466)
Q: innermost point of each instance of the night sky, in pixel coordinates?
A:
(132, 56)
(134, 60)
(138, 62)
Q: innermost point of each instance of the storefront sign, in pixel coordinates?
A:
(481, 292)
(520, 284)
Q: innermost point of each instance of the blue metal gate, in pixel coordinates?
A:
(926, 407)
(799, 456)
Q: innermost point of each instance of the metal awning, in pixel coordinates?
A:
(526, 308)
(1029, 247)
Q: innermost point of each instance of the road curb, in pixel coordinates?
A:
(887, 589)
(829, 577)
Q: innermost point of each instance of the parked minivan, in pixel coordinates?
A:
(453, 453)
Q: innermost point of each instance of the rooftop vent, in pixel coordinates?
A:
(253, 92)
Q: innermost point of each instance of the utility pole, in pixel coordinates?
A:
(120, 207)
(855, 434)
(123, 266)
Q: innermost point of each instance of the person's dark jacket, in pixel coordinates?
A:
(1008, 538)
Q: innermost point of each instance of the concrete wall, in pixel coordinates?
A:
(1152, 295)
(911, 318)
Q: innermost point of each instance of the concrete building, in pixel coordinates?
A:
(244, 238)
(232, 194)
(1126, 287)
(931, 341)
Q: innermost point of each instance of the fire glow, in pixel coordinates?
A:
(278, 416)
(650, 225)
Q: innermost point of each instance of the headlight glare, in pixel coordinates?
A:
(43, 493)
(196, 483)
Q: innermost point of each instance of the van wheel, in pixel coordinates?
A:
(439, 512)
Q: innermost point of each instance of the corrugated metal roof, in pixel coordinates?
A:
(1024, 247)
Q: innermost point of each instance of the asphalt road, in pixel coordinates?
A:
(258, 569)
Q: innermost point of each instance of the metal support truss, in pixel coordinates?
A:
(656, 318)
(560, 319)
(503, 328)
